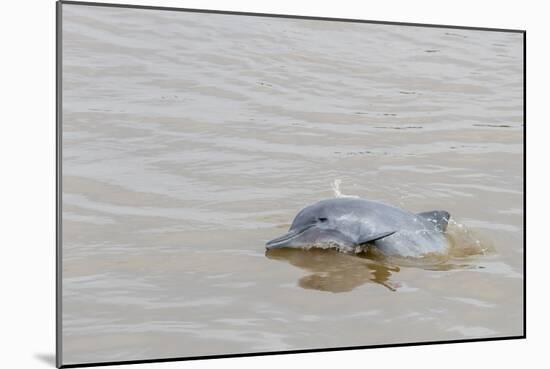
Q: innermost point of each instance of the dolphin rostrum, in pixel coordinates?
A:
(350, 223)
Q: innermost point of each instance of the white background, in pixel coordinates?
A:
(27, 164)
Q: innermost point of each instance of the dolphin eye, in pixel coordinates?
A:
(322, 219)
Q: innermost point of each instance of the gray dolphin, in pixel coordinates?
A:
(349, 223)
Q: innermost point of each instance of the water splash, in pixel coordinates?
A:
(336, 189)
(336, 247)
(465, 242)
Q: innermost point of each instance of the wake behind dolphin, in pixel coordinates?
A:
(351, 223)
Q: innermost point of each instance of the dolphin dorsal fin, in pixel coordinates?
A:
(440, 218)
(374, 237)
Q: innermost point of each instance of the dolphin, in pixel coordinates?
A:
(351, 223)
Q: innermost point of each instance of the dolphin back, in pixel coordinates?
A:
(440, 218)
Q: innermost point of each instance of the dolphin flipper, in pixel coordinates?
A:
(373, 237)
(440, 218)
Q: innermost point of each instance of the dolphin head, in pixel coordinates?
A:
(313, 224)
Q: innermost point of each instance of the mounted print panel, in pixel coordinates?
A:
(239, 184)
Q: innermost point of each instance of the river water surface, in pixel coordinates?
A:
(189, 140)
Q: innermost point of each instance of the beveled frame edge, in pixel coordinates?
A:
(58, 184)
